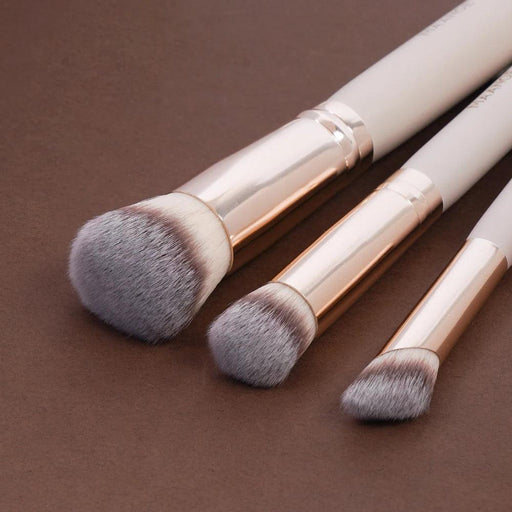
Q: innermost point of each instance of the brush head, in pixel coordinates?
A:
(147, 268)
(396, 385)
(259, 338)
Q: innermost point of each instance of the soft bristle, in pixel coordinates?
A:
(259, 338)
(397, 385)
(147, 268)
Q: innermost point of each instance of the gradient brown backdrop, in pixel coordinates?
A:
(104, 103)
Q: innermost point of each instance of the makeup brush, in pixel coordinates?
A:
(146, 269)
(259, 338)
(398, 384)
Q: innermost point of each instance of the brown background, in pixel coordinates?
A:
(104, 103)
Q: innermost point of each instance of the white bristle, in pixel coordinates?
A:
(259, 338)
(396, 385)
(146, 269)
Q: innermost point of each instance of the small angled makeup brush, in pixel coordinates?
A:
(146, 269)
(398, 384)
(259, 338)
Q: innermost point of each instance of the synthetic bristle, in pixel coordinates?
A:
(147, 268)
(397, 385)
(259, 338)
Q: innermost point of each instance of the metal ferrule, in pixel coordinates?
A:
(341, 265)
(261, 186)
(451, 303)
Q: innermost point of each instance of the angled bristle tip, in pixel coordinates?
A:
(395, 386)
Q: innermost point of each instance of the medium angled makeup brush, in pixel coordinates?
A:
(146, 269)
(259, 339)
(398, 384)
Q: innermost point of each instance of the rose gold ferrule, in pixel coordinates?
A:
(346, 260)
(301, 164)
(451, 303)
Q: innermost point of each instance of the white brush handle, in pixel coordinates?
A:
(496, 223)
(428, 74)
(484, 128)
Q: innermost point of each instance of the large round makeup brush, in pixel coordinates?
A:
(398, 384)
(259, 339)
(146, 269)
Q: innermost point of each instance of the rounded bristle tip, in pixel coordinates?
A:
(147, 268)
(259, 338)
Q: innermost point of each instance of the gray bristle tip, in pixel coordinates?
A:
(258, 339)
(136, 273)
(395, 386)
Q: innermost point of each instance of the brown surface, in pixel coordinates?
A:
(105, 103)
